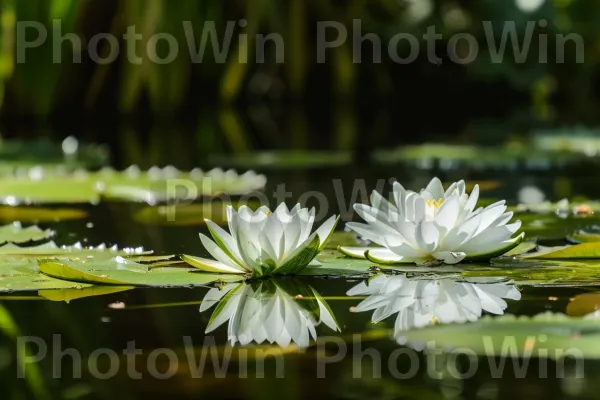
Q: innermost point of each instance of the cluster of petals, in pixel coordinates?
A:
(433, 226)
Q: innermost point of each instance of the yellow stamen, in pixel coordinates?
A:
(434, 203)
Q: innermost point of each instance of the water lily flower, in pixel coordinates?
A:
(420, 303)
(267, 312)
(433, 227)
(262, 242)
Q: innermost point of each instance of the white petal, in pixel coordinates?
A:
(219, 254)
(224, 240)
(324, 232)
(435, 188)
(448, 213)
(427, 236)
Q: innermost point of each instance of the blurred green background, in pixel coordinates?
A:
(240, 107)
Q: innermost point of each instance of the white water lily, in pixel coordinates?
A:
(419, 303)
(262, 242)
(433, 226)
(267, 312)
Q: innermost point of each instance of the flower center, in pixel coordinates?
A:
(434, 203)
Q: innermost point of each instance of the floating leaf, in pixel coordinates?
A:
(152, 186)
(583, 237)
(15, 233)
(579, 251)
(73, 294)
(119, 271)
(544, 335)
(584, 304)
(39, 214)
(23, 274)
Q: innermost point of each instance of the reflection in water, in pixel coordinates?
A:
(421, 302)
(276, 310)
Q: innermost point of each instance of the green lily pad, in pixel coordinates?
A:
(583, 251)
(544, 335)
(24, 275)
(15, 233)
(152, 186)
(583, 237)
(119, 271)
(583, 304)
(68, 295)
(19, 265)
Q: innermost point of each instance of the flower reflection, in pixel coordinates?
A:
(421, 302)
(277, 311)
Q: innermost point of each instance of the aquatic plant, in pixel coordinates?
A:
(262, 242)
(433, 226)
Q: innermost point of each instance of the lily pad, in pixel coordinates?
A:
(68, 295)
(152, 186)
(583, 251)
(23, 275)
(15, 233)
(544, 335)
(583, 237)
(119, 271)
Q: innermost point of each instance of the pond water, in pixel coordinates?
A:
(139, 343)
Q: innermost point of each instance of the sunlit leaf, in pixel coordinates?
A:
(118, 271)
(583, 237)
(15, 233)
(73, 294)
(583, 304)
(578, 251)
